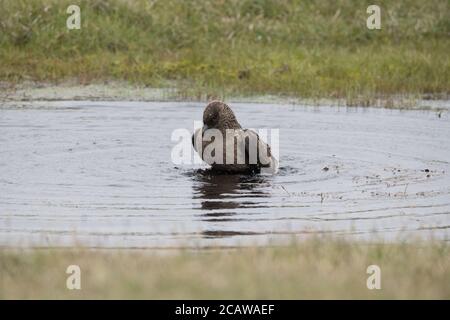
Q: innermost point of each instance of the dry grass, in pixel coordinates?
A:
(311, 269)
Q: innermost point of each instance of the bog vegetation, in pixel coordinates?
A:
(286, 47)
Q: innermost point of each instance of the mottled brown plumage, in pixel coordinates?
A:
(246, 143)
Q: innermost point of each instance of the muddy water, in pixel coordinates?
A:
(100, 174)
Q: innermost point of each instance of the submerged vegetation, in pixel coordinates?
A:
(286, 47)
(311, 269)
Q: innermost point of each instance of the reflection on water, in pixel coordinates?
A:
(218, 191)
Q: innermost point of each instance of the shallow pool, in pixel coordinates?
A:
(100, 174)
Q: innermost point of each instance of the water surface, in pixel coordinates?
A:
(100, 174)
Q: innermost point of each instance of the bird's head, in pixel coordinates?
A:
(220, 116)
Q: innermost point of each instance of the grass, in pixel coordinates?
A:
(245, 47)
(314, 268)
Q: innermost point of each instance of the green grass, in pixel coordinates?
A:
(284, 47)
(316, 268)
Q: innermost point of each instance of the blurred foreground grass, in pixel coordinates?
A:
(285, 47)
(310, 269)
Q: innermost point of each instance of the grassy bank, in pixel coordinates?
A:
(297, 48)
(311, 269)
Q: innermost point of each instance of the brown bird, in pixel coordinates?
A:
(223, 144)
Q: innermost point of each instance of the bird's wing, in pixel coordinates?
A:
(196, 139)
(264, 154)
